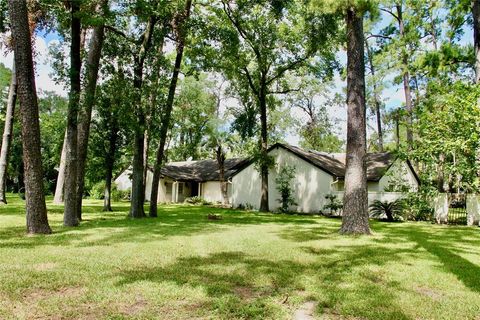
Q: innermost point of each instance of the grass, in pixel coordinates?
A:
(246, 266)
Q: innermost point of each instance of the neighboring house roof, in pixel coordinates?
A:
(201, 170)
(334, 163)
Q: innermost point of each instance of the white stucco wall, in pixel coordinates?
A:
(123, 181)
(310, 184)
(211, 191)
(398, 171)
(246, 187)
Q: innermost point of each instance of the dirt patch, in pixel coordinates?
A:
(305, 312)
(245, 293)
(36, 295)
(332, 314)
(429, 292)
(134, 309)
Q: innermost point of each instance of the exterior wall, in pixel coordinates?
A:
(211, 191)
(399, 171)
(310, 184)
(124, 181)
(375, 195)
(246, 187)
(148, 185)
(163, 196)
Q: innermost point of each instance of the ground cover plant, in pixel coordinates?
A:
(245, 266)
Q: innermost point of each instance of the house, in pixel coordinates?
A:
(317, 174)
(181, 180)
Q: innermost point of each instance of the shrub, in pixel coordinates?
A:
(334, 204)
(197, 200)
(97, 191)
(118, 195)
(284, 181)
(418, 206)
(393, 210)
(245, 206)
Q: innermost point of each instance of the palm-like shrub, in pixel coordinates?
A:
(391, 209)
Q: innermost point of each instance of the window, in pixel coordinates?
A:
(168, 186)
(180, 188)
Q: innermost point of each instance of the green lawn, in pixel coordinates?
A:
(183, 266)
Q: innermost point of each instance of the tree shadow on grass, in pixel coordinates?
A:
(115, 227)
(236, 282)
(446, 244)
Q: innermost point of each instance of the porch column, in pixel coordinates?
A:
(176, 191)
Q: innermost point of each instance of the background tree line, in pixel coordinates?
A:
(156, 81)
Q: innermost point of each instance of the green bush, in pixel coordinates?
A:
(197, 201)
(284, 181)
(392, 210)
(97, 191)
(334, 205)
(118, 195)
(418, 206)
(245, 206)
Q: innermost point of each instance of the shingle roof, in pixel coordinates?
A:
(201, 170)
(334, 163)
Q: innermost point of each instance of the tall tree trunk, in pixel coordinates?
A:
(109, 162)
(476, 37)
(138, 186)
(221, 168)
(476, 44)
(441, 173)
(397, 132)
(58, 197)
(153, 106)
(406, 79)
(7, 135)
(146, 143)
(376, 98)
(167, 111)
(36, 209)
(355, 202)
(85, 114)
(71, 161)
(264, 206)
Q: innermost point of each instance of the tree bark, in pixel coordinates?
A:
(138, 189)
(36, 209)
(58, 198)
(355, 202)
(264, 205)
(167, 111)
(7, 135)
(221, 168)
(476, 45)
(476, 37)
(70, 217)
(406, 79)
(85, 113)
(376, 98)
(109, 162)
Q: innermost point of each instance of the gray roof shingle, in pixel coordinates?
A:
(201, 170)
(332, 163)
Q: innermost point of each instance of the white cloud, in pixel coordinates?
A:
(43, 68)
